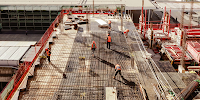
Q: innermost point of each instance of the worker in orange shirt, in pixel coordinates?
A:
(48, 52)
(126, 32)
(118, 70)
(115, 12)
(93, 47)
(108, 41)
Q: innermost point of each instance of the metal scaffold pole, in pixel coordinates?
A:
(191, 11)
(142, 16)
(183, 40)
(93, 8)
(87, 26)
(122, 18)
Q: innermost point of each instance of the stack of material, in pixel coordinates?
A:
(174, 52)
(194, 49)
(102, 23)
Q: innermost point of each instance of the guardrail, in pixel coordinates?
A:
(24, 68)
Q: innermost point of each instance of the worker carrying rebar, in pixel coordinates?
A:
(93, 47)
(109, 24)
(48, 52)
(108, 41)
(118, 70)
(126, 32)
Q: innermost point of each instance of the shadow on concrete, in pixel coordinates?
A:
(94, 35)
(116, 31)
(194, 94)
(105, 62)
(93, 74)
(60, 71)
(121, 53)
(126, 82)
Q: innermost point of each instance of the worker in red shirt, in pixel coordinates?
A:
(118, 70)
(48, 52)
(108, 41)
(93, 47)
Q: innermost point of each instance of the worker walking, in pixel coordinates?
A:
(48, 52)
(109, 24)
(118, 70)
(108, 41)
(93, 47)
(26, 32)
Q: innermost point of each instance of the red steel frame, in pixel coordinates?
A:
(156, 26)
(176, 52)
(24, 69)
(194, 49)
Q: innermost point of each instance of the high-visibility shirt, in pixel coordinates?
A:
(94, 45)
(117, 67)
(109, 22)
(109, 39)
(48, 52)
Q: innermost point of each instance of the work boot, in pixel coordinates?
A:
(114, 77)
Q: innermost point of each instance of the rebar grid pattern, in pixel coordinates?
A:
(86, 78)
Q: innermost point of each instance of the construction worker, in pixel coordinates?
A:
(26, 32)
(108, 41)
(126, 32)
(109, 24)
(118, 70)
(93, 47)
(48, 52)
(115, 12)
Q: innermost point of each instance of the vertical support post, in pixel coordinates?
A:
(182, 21)
(122, 18)
(149, 19)
(169, 22)
(87, 27)
(183, 48)
(164, 19)
(145, 23)
(93, 8)
(151, 41)
(191, 11)
(142, 15)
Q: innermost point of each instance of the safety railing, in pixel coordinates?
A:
(24, 68)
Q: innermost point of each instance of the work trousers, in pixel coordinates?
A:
(118, 71)
(108, 45)
(48, 58)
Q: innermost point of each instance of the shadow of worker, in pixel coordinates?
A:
(59, 70)
(126, 82)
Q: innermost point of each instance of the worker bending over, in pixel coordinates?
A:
(118, 70)
(126, 32)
